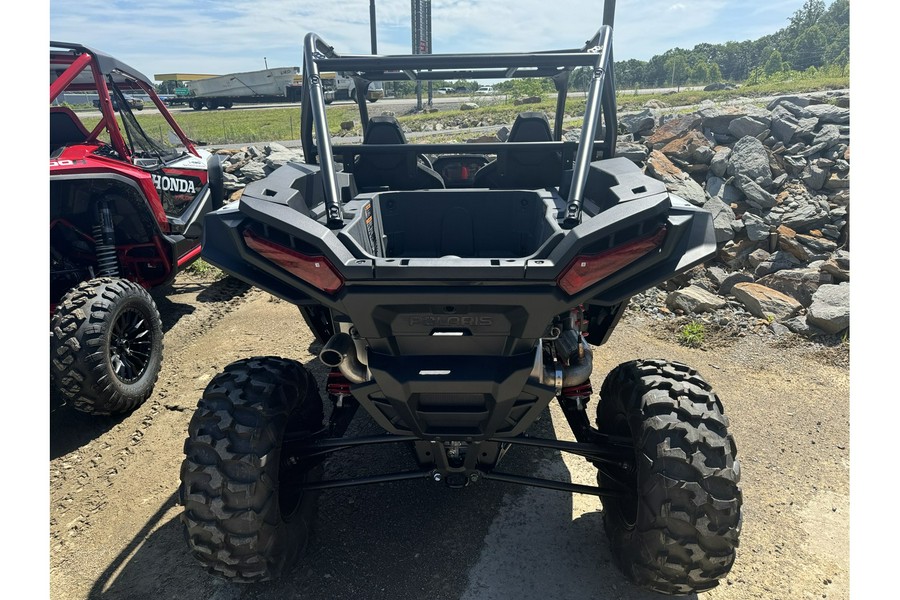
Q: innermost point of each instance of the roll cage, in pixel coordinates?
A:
(598, 134)
(78, 68)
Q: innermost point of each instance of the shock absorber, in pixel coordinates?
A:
(105, 241)
(345, 405)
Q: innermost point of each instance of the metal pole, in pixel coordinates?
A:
(609, 12)
(588, 131)
(265, 62)
(323, 137)
(372, 27)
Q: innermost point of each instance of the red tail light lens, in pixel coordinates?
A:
(586, 270)
(314, 270)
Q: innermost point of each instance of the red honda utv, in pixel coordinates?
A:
(125, 206)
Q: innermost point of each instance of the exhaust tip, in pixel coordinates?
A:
(331, 357)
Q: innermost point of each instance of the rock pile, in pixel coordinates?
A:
(251, 163)
(777, 182)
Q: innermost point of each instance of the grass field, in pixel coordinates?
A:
(263, 125)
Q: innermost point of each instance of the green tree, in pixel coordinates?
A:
(807, 16)
(774, 63)
(581, 77)
(525, 87)
(677, 66)
(700, 72)
(809, 49)
(842, 60)
(167, 87)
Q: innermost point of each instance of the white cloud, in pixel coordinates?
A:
(216, 37)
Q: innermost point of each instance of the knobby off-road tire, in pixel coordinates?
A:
(245, 518)
(106, 344)
(680, 533)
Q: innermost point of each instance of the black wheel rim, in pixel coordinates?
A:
(130, 345)
(293, 472)
(627, 507)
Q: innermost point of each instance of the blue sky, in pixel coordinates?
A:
(216, 36)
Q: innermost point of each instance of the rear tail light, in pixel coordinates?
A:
(588, 269)
(314, 270)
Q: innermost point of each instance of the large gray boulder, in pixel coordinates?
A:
(744, 126)
(799, 284)
(757, 197)
(750, 158)
(717, 188)
(717, 118)
(829, 113)
(757, 229)
(677, 181)
(776, 261)
(719, 163)
(830, 308)
(764, 302)
(672, 130)
(722, 219)
(639, 123)
(694, 299)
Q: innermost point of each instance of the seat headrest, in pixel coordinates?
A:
(531, 127)
(384, 130)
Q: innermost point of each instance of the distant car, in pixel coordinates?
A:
(486, 90)
(135, 103)
(444, 90)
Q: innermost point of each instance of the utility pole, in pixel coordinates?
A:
(372, 26)
(421, 40)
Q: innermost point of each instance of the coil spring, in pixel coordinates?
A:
(105, 243)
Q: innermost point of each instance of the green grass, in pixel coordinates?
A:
(200, 268)
(692, 334)
(241, 125)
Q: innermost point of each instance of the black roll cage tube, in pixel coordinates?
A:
(557, 64)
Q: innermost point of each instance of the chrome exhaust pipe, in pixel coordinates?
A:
(578, 371)
(340, 353)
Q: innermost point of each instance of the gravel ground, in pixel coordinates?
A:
(114, 529)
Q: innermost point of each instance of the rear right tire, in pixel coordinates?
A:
(246, 517)
(679, 532)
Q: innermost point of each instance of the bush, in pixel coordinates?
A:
(203, 269)
(692, 334)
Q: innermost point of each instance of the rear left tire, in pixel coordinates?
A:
(246, 517)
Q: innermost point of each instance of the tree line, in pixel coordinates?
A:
(815, 37)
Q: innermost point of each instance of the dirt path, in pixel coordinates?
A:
(114, 530)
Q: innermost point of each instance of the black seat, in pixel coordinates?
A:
(65, 128)
(400, 171)
(524, 169)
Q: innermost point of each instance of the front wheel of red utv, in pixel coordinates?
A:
(678, 532)
(246, 515)
(106, 344)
